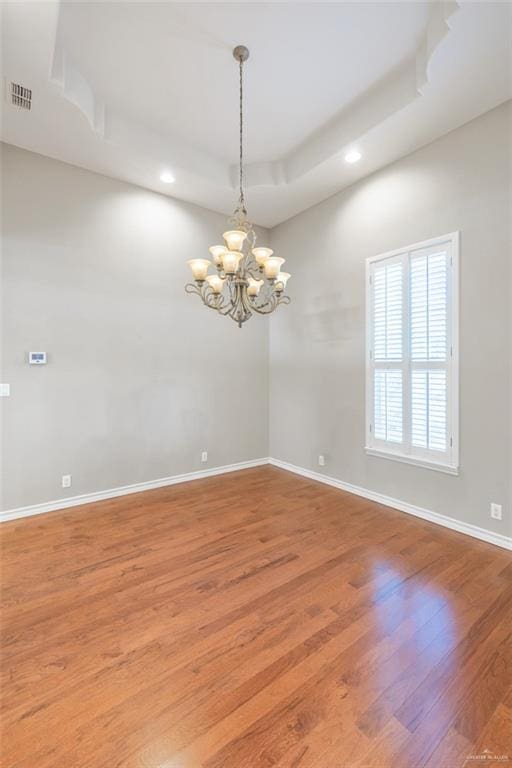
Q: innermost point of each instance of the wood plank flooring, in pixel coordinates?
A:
(252, 620)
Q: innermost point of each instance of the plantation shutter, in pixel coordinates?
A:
(387, 346)
(429, 349)
(410, 377)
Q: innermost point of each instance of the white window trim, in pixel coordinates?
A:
(452, 466)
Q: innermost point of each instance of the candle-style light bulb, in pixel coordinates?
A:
(272, 267)
(217, 252)
(234, 239)
(254, 286)
(230, 261)
(199, 268)
(216, 283)
(281, 281)
(262, 254)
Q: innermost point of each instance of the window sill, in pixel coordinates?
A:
(449, 470)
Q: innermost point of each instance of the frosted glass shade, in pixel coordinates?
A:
(217, 251)
(272, 267)
(216, 283)
(262, 254)
(199, 268)
(254, 286)
(234, 239)
(230, 261)
(281, 280)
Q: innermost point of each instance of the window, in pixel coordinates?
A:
(411, 371)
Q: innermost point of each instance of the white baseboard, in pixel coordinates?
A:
(89, 498)
(403, 506)
(434, 517)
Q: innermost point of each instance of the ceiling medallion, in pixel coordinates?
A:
(247, 280)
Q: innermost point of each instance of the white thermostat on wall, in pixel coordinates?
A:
(37, 358)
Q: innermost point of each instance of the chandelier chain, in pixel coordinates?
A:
(242, 200)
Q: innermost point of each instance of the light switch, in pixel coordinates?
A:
(5, 390)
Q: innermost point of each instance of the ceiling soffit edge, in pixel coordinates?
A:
(76, 89)
(382, 100)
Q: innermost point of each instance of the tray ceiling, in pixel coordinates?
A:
(131, 89)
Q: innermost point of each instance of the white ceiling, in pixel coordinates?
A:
(131, 89)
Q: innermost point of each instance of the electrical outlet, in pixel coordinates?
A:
(496, 511)
(204, 457)
(66, 481)
(321, 461)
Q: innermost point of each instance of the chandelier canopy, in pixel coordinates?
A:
(248, 278)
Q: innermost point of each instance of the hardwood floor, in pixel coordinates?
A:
(251, 620)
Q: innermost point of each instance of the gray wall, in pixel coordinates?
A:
(141, 377)
(317, 346)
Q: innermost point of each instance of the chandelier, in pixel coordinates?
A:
(248, 278)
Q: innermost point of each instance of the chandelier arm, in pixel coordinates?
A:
(218, 302)
(213, 300)
(266, 307)
(246, 300)
(269, 306)
(264, 301)
(240, 311)
(261, 311)
(231, 289)
(251, 263)
(254, 271)
(226, 306)
(208, 297)
(192, 288)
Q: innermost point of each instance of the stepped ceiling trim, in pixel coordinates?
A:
(135, 89)
(77, 90)
(380, 101)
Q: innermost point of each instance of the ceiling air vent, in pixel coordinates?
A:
(21, 97)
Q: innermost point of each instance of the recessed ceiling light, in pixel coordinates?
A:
(353, 156)
(167, 177)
